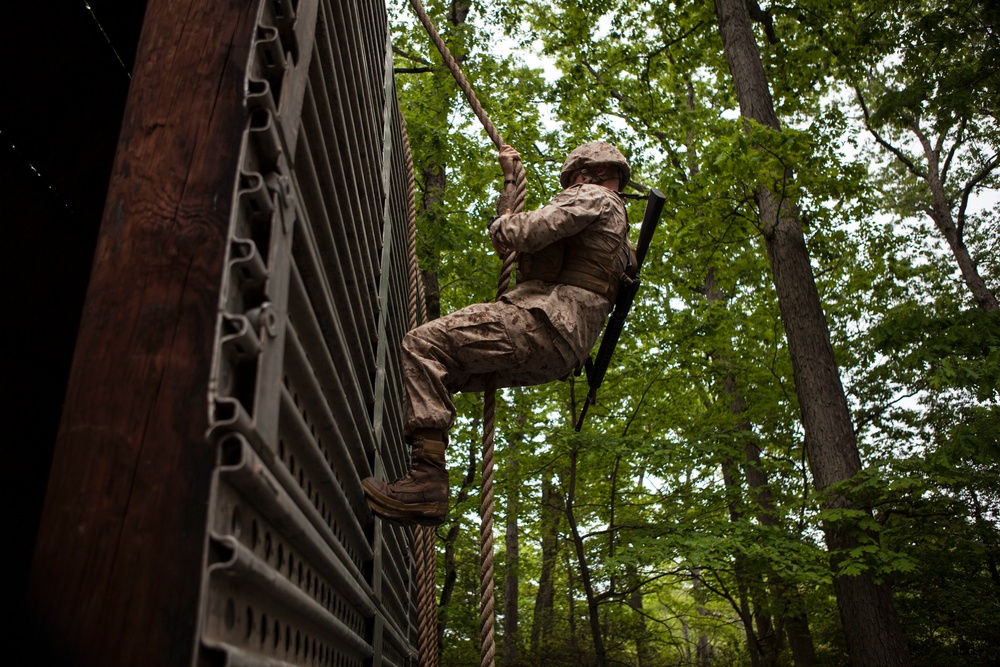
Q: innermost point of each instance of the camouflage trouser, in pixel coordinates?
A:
(458, 351)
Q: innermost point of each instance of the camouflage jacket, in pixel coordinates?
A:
(586, 219)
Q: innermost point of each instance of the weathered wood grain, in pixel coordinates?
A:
(115, 578)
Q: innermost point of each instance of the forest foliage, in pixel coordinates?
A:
(682, 525)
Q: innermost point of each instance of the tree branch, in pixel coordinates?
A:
(982, 174)
(763, 17)
(630, 106)
(882, 142)
(925, 143)
(638, 405)
(959, 140)
(410, 56)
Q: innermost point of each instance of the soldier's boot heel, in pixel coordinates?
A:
(420, 496)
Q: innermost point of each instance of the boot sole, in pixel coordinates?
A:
(421, 514)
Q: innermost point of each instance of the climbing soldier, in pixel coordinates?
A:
(572, 255)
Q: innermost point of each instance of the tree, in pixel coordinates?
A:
(874, 635)
(456, 171)
(701, 385)
(924, 75)
(621, 76)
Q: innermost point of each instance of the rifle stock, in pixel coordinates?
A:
(623, 304)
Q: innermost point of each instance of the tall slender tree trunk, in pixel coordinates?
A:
(739, 568)
(986, 538)
(512, 579)
(542, 623)
(643, 652)
(789, 614)
(750, 580)
(574, 639)
(871, 625)
(434, 174)
(800, 639)
(433, 183)
(767, 639)
(703, 649)
(941, 214)
(434, 180)
(581, 558)
(450, 569)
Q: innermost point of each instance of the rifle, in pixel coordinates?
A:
(623, 304)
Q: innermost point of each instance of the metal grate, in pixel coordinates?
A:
(305, 392)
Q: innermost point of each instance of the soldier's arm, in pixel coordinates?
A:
(568, 214)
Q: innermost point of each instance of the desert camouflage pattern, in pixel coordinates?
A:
(589, 213)
(591, 155)
(539, 331)
(458, 351)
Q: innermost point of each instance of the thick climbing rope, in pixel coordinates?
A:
(487, 643)
(423, 536)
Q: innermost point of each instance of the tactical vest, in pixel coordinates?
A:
(594, 259)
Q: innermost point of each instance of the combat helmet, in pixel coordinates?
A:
(593, 154)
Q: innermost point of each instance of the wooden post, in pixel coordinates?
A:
(116, 574)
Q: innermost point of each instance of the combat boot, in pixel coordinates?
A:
(420, 496)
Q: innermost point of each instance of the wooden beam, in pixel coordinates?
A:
(117, 569)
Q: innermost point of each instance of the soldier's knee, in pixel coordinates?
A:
(416, 346)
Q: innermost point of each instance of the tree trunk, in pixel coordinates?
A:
(983, 528)
(433, 179)
(800, 639)
(581, 558)
(643, 653)
(434, 175)
(512, 579)
(739, 570)
(542, 624)
(984, 298)
(760, 642)
(940, 213)
(450, 571)
(433, 182)
(872, 628)
(571, 606)
(796, 623)
(703, 650)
